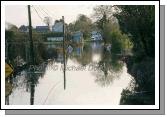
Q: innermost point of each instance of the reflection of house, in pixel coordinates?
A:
(42, 29)
(23, 28)
(57, 27)
(60, 58)
(95, 36)
(79, 50)
(78, 37)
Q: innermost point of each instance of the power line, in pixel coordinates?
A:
(40, 11)
(44, 11)
(37, 13)
(52, 14)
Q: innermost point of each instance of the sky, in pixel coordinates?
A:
(18, 14)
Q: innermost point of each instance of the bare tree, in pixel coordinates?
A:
(101, 10)
(48, 21)
(104, 14)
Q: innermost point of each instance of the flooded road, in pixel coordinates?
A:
(92, 76)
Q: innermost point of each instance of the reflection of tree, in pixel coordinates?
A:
(14, 51)
(105, 63)
(143, 90)
(22, 50)
(110, 68)
(28, 79)
(45, 52)
(40, 52)
(104, 79)
(7, 100)
(116, 64)
(86, 55)
(131, 96)
(8, 90)
(32, 79)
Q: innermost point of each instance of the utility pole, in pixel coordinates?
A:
(30, 37)
(31, 55)
(64, 53)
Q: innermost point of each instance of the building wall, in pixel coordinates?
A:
(96, 36)
(58, 27)
(42, 28)
(78, 37)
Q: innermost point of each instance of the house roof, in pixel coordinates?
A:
(58, 27)
(42, 28)
(22, 27)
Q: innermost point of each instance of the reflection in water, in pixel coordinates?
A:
(33, 80)
(91, 72)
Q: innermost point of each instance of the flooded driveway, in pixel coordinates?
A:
(93, 75)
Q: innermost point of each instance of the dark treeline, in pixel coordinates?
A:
(139, 23)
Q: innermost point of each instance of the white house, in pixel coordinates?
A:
(77, 37)
(57, 27)
(24, 28)
(95, 36)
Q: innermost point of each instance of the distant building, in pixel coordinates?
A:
(24, 28)
(96, 36)
(77, 37)
(57, 27)
(42, 29)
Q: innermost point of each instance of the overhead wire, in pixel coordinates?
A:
(44, 11)
(37, 13)
(43, 14)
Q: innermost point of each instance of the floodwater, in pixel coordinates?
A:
(93, 76)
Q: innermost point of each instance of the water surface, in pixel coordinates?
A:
(92, 76)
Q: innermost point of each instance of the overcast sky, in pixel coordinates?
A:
(18, 15)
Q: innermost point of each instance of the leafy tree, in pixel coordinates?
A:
(11, 27)
(139, 21)
(104, 15)
(83, 24)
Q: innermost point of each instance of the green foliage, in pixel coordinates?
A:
(115, 63)
(106, 32)
(129, 98)
(104, 15)
(139, 21)
(101, 23)
(144, 74)
(119, 40)
(9, 35)
(110, 30)
(83, 24)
